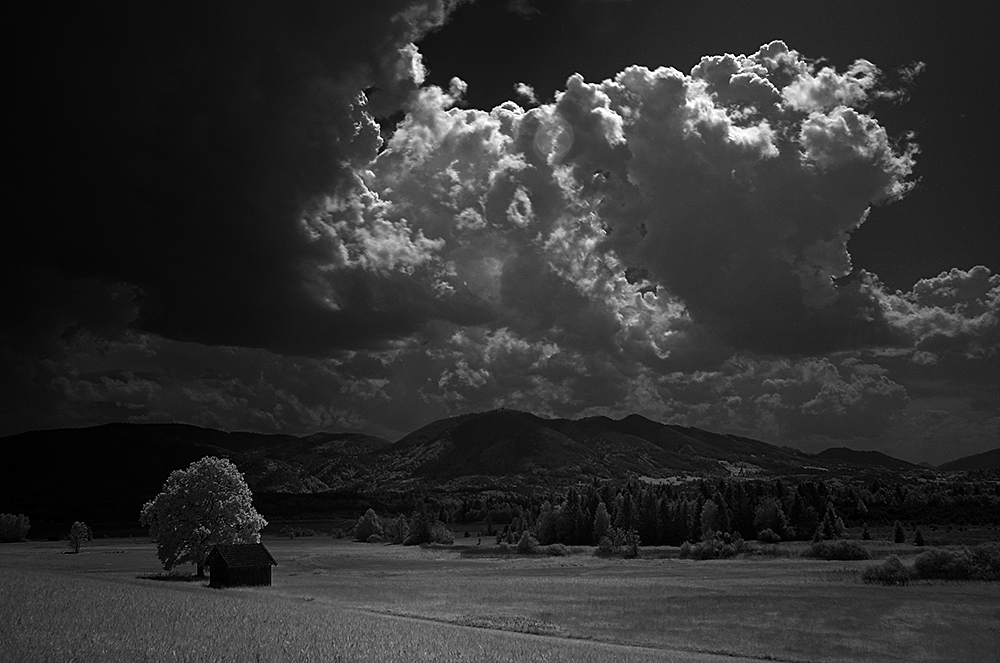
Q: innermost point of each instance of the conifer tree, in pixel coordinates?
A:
(602, 521)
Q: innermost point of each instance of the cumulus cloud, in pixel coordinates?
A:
(732, 191)
(526, 92)
(955, 312)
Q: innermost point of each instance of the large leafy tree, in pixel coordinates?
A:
(207, 504)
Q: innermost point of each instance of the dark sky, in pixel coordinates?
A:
(779, 221)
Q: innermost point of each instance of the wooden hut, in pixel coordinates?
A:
(237, 564)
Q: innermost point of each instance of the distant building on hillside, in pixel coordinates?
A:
(239, 564)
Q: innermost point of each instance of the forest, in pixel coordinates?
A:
(665, 514)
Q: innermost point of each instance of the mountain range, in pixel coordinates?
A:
(107, 472)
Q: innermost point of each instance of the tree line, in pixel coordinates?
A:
(664, 514)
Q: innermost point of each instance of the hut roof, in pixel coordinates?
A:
(237, 555)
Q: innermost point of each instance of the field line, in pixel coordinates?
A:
(702, 656)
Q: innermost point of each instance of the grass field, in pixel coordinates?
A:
(343, 601)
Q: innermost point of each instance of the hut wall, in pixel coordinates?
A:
(222, 576)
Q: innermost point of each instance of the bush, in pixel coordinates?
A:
(979, 563)
(618, 541)
(890, 572)
(374, 538)
(440, 533)
(985, 561)
(528, 544)
(13, 528)
(338, 533)
(768, 536)
(837, 550)
(716, 547)
(557, 550)
(939, 564)
(918, 538)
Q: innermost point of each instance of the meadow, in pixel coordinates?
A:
(336, 600)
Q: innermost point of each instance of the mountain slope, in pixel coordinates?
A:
(107, 472)
(866, 458)
(988, 460)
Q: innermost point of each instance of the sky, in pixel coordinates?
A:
(772, 219)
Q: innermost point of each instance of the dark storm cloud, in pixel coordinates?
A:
(175, 148)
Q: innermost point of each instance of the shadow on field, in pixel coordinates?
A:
(172, 577)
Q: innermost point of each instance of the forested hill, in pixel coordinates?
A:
(987, 460)
(106, 473)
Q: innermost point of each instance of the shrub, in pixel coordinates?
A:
(13, 528)
(981, 562)
(618, 541)
(985, 560)
(837, 550)
(939, 564)
(865, 534)
(606, 546)
(890, 572)
(338, 533)
(918, 538)
(768, 536)
(714, 548)
(374, 538)
(528, 544)
(557, 550)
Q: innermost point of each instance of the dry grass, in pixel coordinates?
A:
(340, 601)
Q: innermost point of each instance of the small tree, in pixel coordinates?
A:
(207, 504)
(918, 538)
(396, 528)
(368, 525)
(898, 534)
(865, 534)
(78, 533)
(602, 521)
(630, 544)
(709, 519)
